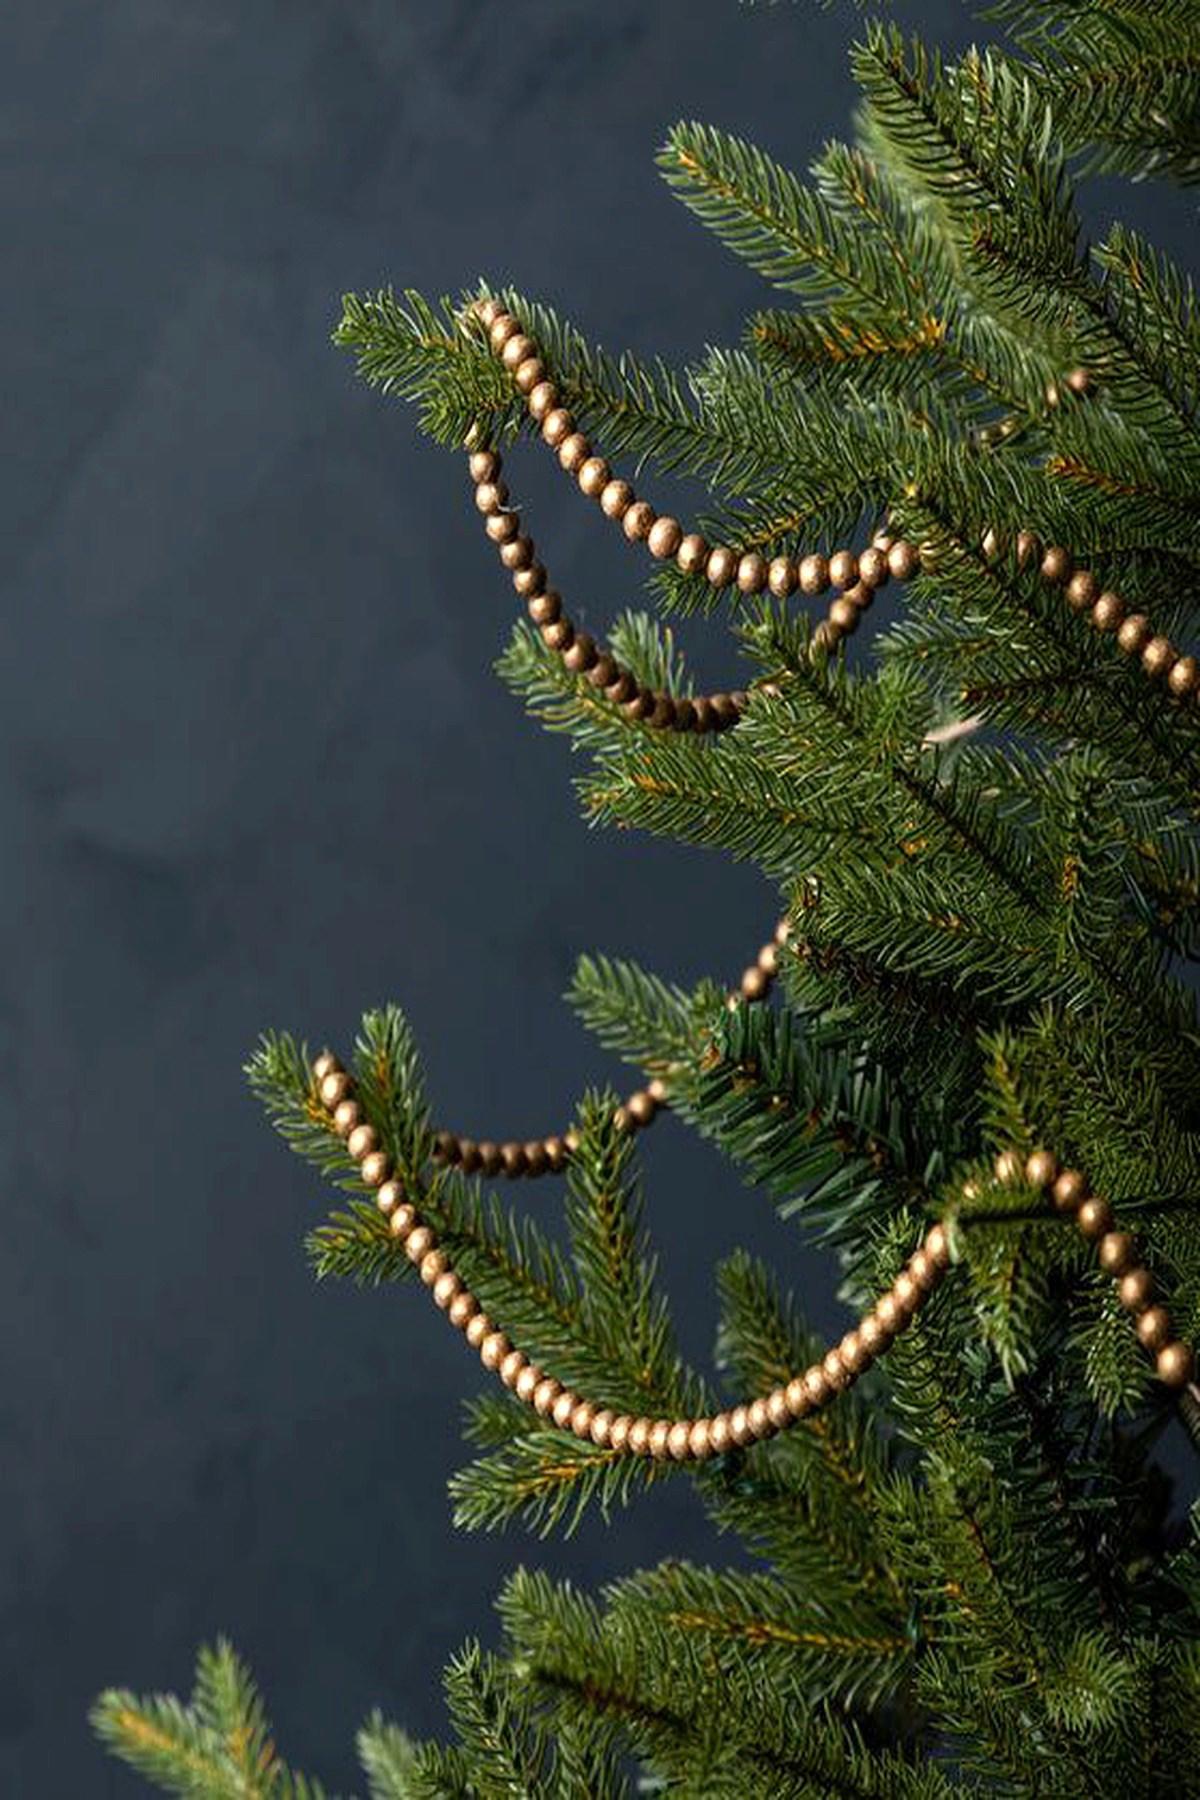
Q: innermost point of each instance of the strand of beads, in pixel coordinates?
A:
(549, 1155)
(804, 1393)
(858, 575)
(1069, 1192)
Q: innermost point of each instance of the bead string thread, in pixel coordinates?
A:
(697, 1439)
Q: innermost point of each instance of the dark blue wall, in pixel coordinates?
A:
(257, 772)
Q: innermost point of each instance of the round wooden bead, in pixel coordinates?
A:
(462, 1310)
(679, 1439)
(844, 615)
(638, 521)
(513, 1160)
(816, 1385)
(516, 349)
(797, 1396)
(346, 1116)
(873, 1337)
(543, 609)
(478, 1327)
(486, 309)
(891, 1315)
(664, 537)
(419, 1243)
(835, 1371)
(334, 1088)
(1056, 563)
(545, 1394)
(992, 543)
(1008, 1167)
(376, 1167)
(721, 566)
(1135, 1288)
(699, 1440)
(903, 561)
(656, 1443)
(1094, 1217)
(873, 567)
(758, 1417)
(618, 1432)
(739, 1425)
(557, 426)
(531, 581)
(602, 1424)
(937, 1246)
(493, 1350)
(692, 553)
(639, 1436)
(852, 1352)
(754, 983)
(923, 1270)
(1115, 1251)
(389, 1196)
(1082, 591)
(402, 1220)
(362, 1140)
(1174, 1365)
(1158, 656)
(752, 573)
(503, 327)
(1134, 634)
(1028, 547)
(484, 465)
(843, 568)
(1041, 1169)
(906, 1292)
(529, 373)
(564, 1406)
(581, 654)
(517, 552)
(641, 1107)
(503, 526)
(719, 1438)
(326, 1064)
(581, 1418)
(573, 452)
(543, 398)
(1070, 1190)
(616, 497)
(1183, 677)
(593, 476)
(782, 577)
(527, 1382)
(433, 1266)
(1108, 611)
(813, 574)
(1153, 1327)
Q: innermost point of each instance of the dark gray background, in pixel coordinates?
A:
(257, 772)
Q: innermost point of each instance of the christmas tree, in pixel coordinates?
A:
(966, 1061)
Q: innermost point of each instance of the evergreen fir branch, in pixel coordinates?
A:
(389, 1759)
(1155, 304)
(650, 1022)
(548, 1480)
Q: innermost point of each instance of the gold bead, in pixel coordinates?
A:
(593, 476)
(816, 1385)
(433, 1266)
(564, 1405)
(719, 1438)
(1153, 1327)
(1008, 1167)
(768, 959)
(873, 568)
(782, 577)
(478, 1327)
(639, 521)
(641, 1107)
(486, 309)
(517, 552)
(516, 349)
(813, 574)
(843, 568)
(1158, 656)
(758, 1417)
(419, 1243)
(664, 537)
(1108, 611)
(699, 1439)
(1134, 633)
(530, 582)
(389, 1196)
(484, 465)
(462, 1310)
(557, 426)
(581, 1419)
(992, 543)
(1082, 591)
(797, 1396)
(739, 1425)
(334, 1088)
(639, 1436)
(376, 1167)
(852, 1352)
(1041, 1168)
(402, 1220)
(362, 1140)
(844, 616)
(1183, 677)
(545, 1394)
(903, 561)
(656, 1443)
(752, 573)
(501, 527)
(346, 1117)
(510, 1367)
(937, 1246)
(891, 1315)
(618, 1432)
(679, 1439)
(1135, 1289)
(529, 374)
(602, 1424)
(1174, 1364)
(1094, 1217)
(1070, 1190)
(1079, 381)
(906, 1292)
(573, 452)
(692, 553)
(616, 497)
(874, 1338)
(754, 984)
(1027, 547)
(1056, 564)
(526, 1382)
(835, 1371)
(326, 1064)
(503, 327)
(542, 400)
(923, 1270)
(721, 566)
(1115, 1251)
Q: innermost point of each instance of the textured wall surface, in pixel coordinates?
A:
(256, 771)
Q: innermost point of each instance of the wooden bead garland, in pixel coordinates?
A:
(688, 1439)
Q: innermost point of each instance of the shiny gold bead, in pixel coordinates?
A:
(503, 327)
(1183, 677)
(512, 1157)
(545, 1394)
(1041, 1168)
(602, 1424)
(1135, 1288)
(462, 1310)
(873, 569)
(501, 527)
(616, 497)
(641, 1107)
(479, 1326)
(813, 574)
(543, 609)
(1008, 1167)
(487, 309)
(493, 1350)
(891, 1315)
(335, 1087)
(782, 577)
(639, 521)
(563, 1408)
(376, 1167)
(1153, 1327)
(433, 1266)
(581, 1419)
(664, 536)
(679, 1439)
(326, 1064)
(573, 452)
(530, 582)
(389, 1196)
(362, 1140)
(758, 1417)
(778, 1412)
(346, 1116)
(618, 1432)
(992, 543)
(527, 1380)
(768, 959)
(484, 465)
(699, 1441)
(1094, 1217)
(516, 349)
(656, 1443)
(739, 1425)
(582, 653)
(639, 1436)
(1079, 381)
(1082, 591)
(752, 573)
(799, 1401)
(873, 1337)
(559, 636)
(923, 1270)
(1158, 656)
(419, 1243)
(721, 566)
(1134, 634)
(906, 1292)
(517, 552)
(852, 1352)
(937, 1246)
(754, 984)
(835, 1371)
(843, 568)
(1174, 1365)
(1056, 564)
(719, 1438)
(817, 1385)
(543, 398)
(1108, 611)
(1028, 547)
(1070, 1190)
(692, 553)
(557, 426)
(1115, 1251)
(529, 374)
(402, 1220)
(844, 615)
(593, 476)
(903, 561)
